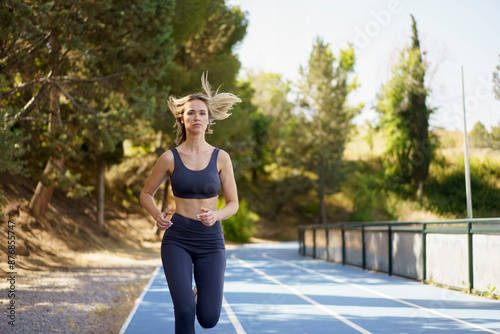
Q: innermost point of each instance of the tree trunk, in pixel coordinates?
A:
(101, 172)
(41, 197)
(322, 208)
(420, 191)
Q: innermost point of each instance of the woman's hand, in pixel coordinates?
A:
(161, 220)
(208, 217)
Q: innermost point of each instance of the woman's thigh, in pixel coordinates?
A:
(209, 277)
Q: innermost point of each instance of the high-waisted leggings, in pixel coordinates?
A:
(188, 244)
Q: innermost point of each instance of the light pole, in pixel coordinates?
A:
(466, 156)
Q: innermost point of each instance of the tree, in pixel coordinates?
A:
(479, 136)
(404, 116)
(235, 133)
(205, 39)
(495, 137)
(269, 122)
(324, 124)
(271, 97)
(80, 72)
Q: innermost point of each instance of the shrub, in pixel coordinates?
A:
(445, 188)
(241, 226)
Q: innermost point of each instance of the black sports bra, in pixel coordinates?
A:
(187, 183)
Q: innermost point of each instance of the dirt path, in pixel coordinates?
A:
(93, 298)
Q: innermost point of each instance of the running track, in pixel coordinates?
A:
(270, 288)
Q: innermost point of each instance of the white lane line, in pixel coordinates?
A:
(232, 317)
(301, 295)
(381, 294)
(139, 301)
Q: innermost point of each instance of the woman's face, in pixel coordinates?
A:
(195, 116)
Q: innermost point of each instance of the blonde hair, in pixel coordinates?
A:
(218, 105)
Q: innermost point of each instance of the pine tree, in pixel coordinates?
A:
(324, 125)
(80, 74)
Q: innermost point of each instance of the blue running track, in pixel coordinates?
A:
(270, 288)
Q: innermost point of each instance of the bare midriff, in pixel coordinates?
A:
(191, 207)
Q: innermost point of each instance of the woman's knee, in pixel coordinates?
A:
(208, 321)
(185, 313)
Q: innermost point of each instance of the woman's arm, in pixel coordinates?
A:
(160, 172)
(229, 192)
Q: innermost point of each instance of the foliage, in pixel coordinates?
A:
(284, 194)
(404, 115)
(366, 188)
(479, 136)
(495, 137)
(79, 78)
(127, 178)
(271, 97)
(234, 134)
(241, 226)
(89, 69)
(323, 125)
(490, 292)
(11, 148)
(446, 188)
(205, 33)
(256, 135)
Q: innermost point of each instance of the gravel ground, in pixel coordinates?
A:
(85, 300)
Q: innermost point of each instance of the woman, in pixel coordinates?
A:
(193, 240)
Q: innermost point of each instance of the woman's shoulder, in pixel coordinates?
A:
(167, 156)
(221, 152)
(223, 158)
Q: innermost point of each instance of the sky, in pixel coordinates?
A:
(453, 34)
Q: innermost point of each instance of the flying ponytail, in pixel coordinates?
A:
(218, 105)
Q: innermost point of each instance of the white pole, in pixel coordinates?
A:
(466, 156)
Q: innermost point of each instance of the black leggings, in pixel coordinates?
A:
(189, 244)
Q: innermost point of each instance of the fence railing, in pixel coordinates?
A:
(460, 253)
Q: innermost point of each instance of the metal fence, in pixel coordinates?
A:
(460, 253)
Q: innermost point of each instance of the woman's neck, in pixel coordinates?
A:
(195, 144)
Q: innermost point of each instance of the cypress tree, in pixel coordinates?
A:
(404, 116)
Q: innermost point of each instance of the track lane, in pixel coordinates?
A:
(368, 299)
(270, 288)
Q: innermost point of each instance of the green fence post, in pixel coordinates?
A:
(424, 253)
(343, 245)
(314, 242)
(470, 253)
(389, 237)
(301, 241)
(327, 244)
(363, 245)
